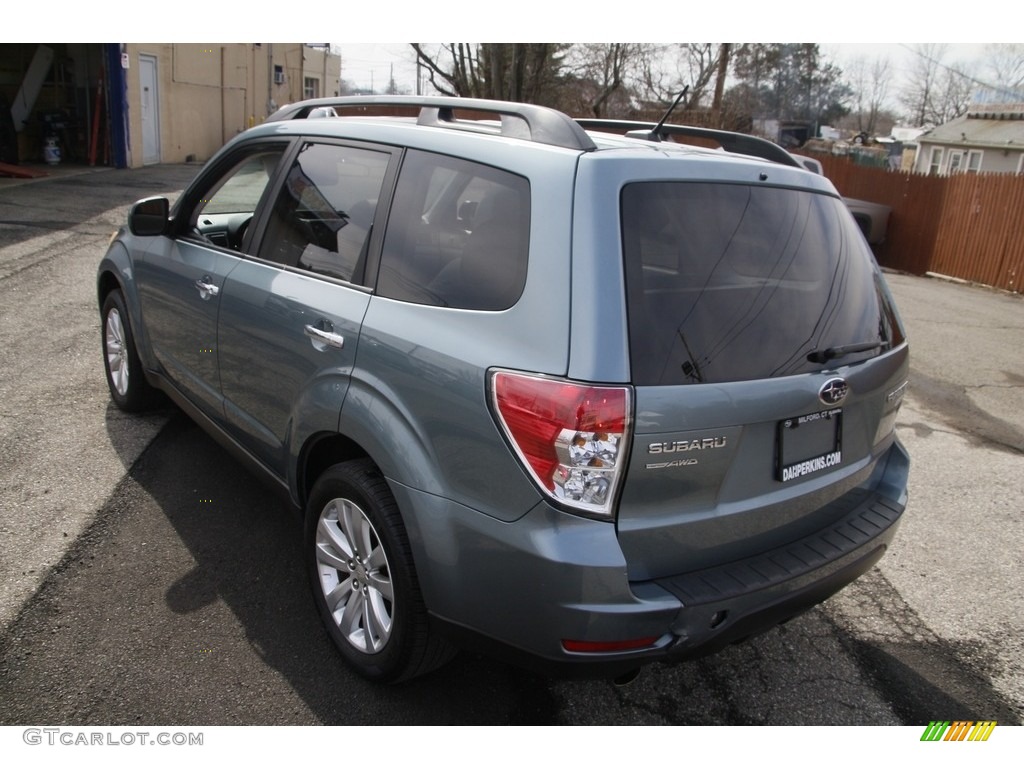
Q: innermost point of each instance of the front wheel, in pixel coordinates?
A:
(128, 386)
(363, 577)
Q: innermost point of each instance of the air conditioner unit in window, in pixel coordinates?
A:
(278, 78)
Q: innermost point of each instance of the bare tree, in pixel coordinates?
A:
(937, 92)
(600, 79)
(604, 75)
(451, 69)
(881, 77)
(918, 94)
(870, 84)
(667, 69)
(956, 86)
(526, 72)
(857, 75)
(1004, 65)
(720, 77)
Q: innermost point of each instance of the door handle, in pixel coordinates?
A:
(323, 339)
(206, 287)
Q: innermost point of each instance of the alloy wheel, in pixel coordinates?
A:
(117, 360)
(354, 575)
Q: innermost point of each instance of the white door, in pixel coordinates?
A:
(150, 110)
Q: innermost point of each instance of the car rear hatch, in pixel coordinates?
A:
(768, 364)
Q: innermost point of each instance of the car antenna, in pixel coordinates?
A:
(655, 134)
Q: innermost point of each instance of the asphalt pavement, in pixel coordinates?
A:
(146, 578)
(63, 447)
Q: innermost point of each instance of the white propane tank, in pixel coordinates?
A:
(51, 151)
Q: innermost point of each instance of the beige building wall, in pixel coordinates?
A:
(209, 93)
(322, 69)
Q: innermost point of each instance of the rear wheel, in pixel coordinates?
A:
(363, 577)
(128, 386)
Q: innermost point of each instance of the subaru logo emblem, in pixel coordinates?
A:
(833, 391)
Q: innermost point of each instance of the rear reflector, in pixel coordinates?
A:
(570, 437)
(608, 646)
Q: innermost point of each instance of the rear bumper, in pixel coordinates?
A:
(518, 590)
(730, 603)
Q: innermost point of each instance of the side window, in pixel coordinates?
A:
(458, 235)
(223, 215)
(322, 217)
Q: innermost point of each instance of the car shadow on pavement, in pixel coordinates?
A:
(130, 434)
(923, 676)
(187, 602)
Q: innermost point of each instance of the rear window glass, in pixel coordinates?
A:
(728, 282)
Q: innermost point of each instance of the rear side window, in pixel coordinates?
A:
(727, 282)
(458, 235)
(322, 217)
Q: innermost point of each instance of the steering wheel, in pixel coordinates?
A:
(240, 234)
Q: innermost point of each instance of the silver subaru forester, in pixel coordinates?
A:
(576, 392)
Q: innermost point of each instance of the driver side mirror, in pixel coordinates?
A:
(149, 217)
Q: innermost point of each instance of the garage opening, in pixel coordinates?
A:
(60, 104)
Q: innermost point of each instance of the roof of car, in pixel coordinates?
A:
(392, 119)
(528, 122)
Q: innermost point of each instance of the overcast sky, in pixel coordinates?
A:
(362, 24)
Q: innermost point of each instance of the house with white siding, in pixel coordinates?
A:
(988, 139)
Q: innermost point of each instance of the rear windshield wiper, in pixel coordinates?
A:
(824, 355)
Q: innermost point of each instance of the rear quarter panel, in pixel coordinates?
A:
(418, 401)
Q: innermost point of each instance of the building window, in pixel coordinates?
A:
(278, 74)
(956, 163)
(311, 88)
(935, 162)
(1020, 163)
(974, 161)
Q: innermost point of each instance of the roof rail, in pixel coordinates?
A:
(522, 121)
(739, 143)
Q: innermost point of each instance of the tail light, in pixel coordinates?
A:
(571, 438)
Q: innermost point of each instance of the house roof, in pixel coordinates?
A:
(977, 132)
(906, 133)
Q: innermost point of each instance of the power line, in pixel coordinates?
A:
(1002, 89)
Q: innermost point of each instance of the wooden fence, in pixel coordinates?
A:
(969, 226)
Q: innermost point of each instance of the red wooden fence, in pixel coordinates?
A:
(969, 226)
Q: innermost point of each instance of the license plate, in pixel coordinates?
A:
(809, 444)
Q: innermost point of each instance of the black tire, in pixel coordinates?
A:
(363, 578)
(125, 378)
